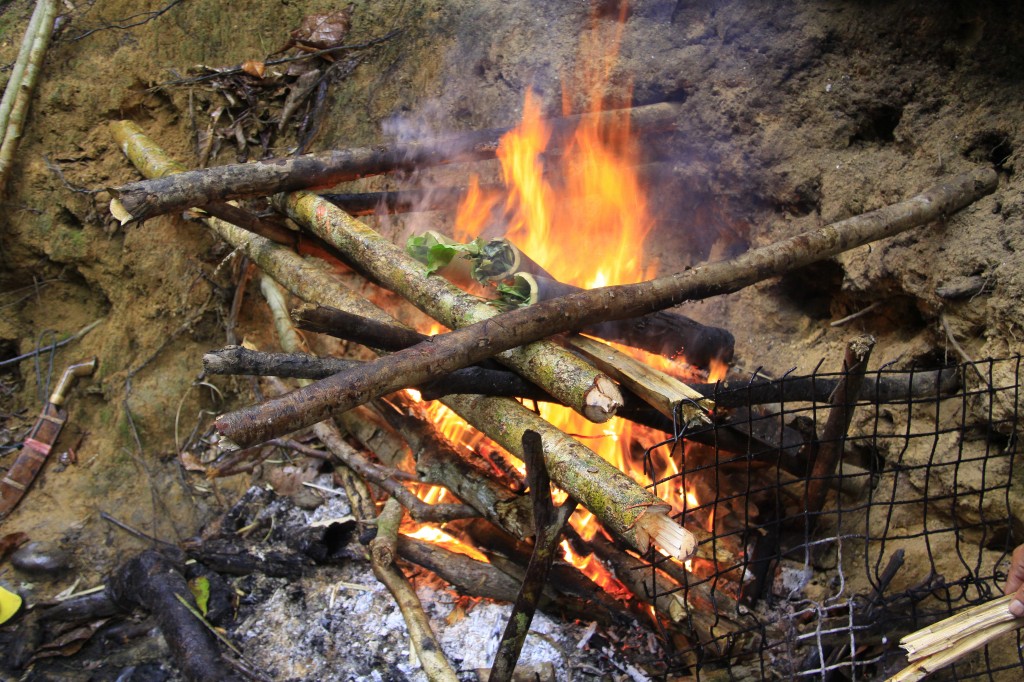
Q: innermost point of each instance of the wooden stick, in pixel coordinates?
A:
(447, 352)
(439, 463)
(431, 656)
(148, 198)
(571, 380)
(833, 435)
(663, 332)
(306, 279)
(352, 327)
(400, 201)
(26, 84)
(548, 522)
(328, 432)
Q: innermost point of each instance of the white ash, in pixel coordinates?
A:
(339, 623)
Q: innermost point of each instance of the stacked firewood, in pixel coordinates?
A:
(491, 358)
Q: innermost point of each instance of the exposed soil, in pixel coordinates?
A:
(793, 115)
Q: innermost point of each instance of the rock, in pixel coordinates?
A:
(39, 559)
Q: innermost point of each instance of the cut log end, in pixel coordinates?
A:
(118, 210)
(602, 400)
(672, 539)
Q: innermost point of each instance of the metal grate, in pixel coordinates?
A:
(921, 514)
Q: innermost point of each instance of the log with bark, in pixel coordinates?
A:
(447, 352)
(198, 188)
(564, 375)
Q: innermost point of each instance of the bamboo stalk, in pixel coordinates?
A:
(20, 64)
(625, 508)
(431, 656)
(26, 84)
(565, 376)
(447, 352)
(148, 198)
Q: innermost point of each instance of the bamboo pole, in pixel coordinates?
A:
(25, 84)
(447, 352)
(149, 198)
(565, 376)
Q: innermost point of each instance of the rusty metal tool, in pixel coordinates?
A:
(40, 439)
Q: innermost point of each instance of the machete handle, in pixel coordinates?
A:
(67, 380)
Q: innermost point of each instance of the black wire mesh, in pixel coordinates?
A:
(924, 505)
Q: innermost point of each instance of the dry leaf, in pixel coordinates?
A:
(254, 68)
(322, 31)
(11, 542)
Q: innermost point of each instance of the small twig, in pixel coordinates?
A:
(149, 16)
(853, 316)
(53, 346)
(284, 60)
(216, 633)
(961, 352)
(133, 531)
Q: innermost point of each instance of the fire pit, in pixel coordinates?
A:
(487, 396)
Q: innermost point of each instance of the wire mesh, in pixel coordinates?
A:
(923, 507)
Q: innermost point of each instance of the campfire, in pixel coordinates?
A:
(515, 411)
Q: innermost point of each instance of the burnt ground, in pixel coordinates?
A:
(791, 117)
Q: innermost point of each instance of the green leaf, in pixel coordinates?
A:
(427, 249)
(517, 293)
(200, 589)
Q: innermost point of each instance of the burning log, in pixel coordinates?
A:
(548, 522)
(562, 374)
(438, 463)
(662, 332)
(462, 347)
(625, 508)
(431, 656)
(198, 188)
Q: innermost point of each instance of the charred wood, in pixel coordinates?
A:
(153, 583)
(548, 522)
